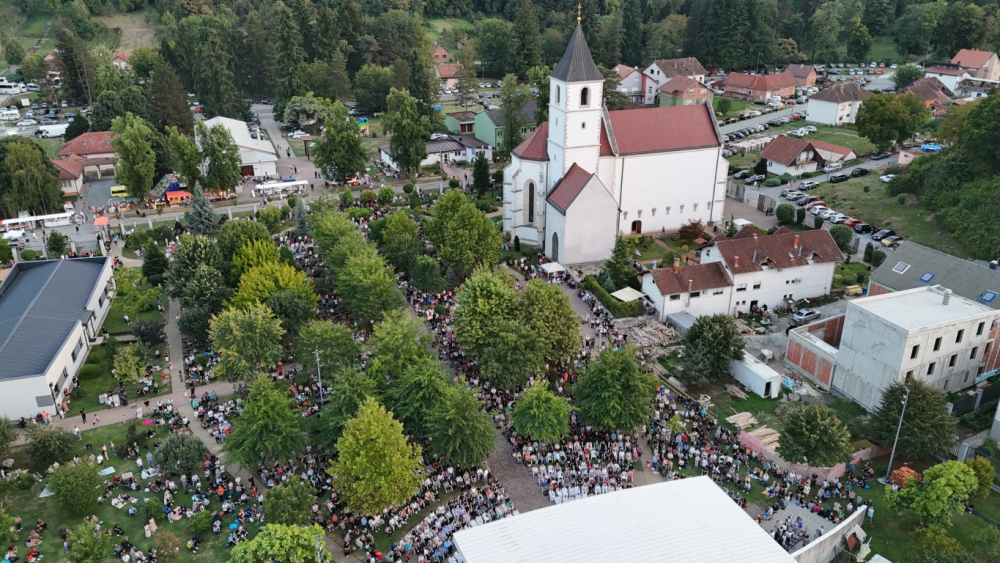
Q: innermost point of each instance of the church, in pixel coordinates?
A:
(589, 173)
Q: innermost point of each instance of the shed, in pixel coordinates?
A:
(682, 321)
(756, 376)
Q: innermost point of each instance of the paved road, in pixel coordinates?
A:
(764, 118)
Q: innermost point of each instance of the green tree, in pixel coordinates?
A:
(527, 39)
(78, 127)
(254, 253)
(129, 292)
(426, 274)
(549, 317)
(962, 26)
(87, 545)
(28, 180)
(75, 486)
(180, 454)
(290, 503)
(368, 287)
(136, 160)
(262, 282)
(944, 489)
(409, 130)
(14, 52)
(723, 105)
(927, 427)
(785, 212)
(292, 307)
(906, 75)
(444, 211)
(299, 219)
(976, 137)
(169, 99)
(248, 341)
(417, 393)
(8, 434)
(541, 415)
(480, 174)
(129, 365)
(278, 542)
(619, 265)
(712, 342)
(201, 219)
(935, 545)
(371, 88)
(350, 388)
(56, 245)
(513, 98)
(49, 444)
(268, 430)
(842, 235)
(471, 240)
(914, 29)
(375, 467)
(460, 429)
(494, 42)
(221, 157)
(185, 156)
(154, 263)
(859, 41)
(985, 475)
(202, 297)
(885, 119)
(290, 53)
(336, 344)
(615, 392)
(539, 77)
(234, 236)
(814, 435)
(632, 43)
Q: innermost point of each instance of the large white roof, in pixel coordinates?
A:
(920, 307)
(241, 134)
(686, 521)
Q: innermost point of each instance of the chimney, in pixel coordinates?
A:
(736, 261)
(795, 242)
(690, 284)
(677, 264)
(754, 259)
(947, 297)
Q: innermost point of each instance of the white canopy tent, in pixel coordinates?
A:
(742, 223)
(628, 294)
(552, 268)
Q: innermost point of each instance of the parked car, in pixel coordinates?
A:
(787, 194)
(859, 172)
(839, 218)
(755, 178)
(808, 185)
(741, 174)
(49, 121)
(893, 240)
(837, 178)
(796, 198)
(828, 214)
(809, 128)
(930, 147)
(817, 209)
(803, 316)
(884, 233)
(852, 222)
(886, 179)
(26, 122)
(880, 155)
(863, 228)
(811, 201)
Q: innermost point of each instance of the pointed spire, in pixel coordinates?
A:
(577, 65)
(579, 13)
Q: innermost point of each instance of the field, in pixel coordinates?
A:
(135, 32)
(458, 26)
(102, 383)
(27, 32)
(115, 323)
(52, 146)
(877, 208)
(737, 106)
(843, 136)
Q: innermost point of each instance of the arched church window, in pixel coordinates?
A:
(531, 202)
(585, 97)
(557, 94)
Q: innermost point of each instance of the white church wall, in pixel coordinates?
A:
(587, 233)
(515, 197)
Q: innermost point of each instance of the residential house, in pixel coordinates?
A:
(837, 105)
(949, 74)
(441, 54)
(631, 83)
(660, 71)
(753, 87)
(935, 94)
(460, 122)
(70, 175)
(926, 334)
(93, 151)
(488, 125)
(796, 156)
(122, 60)
(50, 315)
(696, 289)
(448, 74)
(979, 64)
(257, 156)
(456, 148)
(805, 75)
(684, 91)
(769, 271)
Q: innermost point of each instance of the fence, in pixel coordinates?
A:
(735, 191)
(765, 203)
(969, 403)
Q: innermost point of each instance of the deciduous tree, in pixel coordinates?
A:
(471, 240)
(460, 429)
(262, 282)
(202, 297)
(375, 467)
(131, 293)
(409, 130)
(615, 392)
(290, 503)
(371, 87)
(335, 342)
(154, 263)
(268, 430)
(75, 486)
(180, 454)
(985, 475)
(513, 98)
(541, 415)
(129, 365)
(841, 235)
(136, 160)
(350, 388)
(278, 542)
(368, 288)
(28, 180)
(88, 545)
(813, 435)
(48, 444)
(712, 342)
(906, 75)
(927, 427)
(247, 340)
(56, 246)
(221, 157)
(944, 489)
(416, 393)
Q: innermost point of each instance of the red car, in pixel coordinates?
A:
(199, 109)
(851, 222)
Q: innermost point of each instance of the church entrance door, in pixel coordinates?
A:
(555, 247)
(636, 227)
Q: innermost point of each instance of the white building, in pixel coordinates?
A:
(838, 105)
(796, 156)
(928, 334)
(698, 289)
(659, 72)
(949, 74)
(684, 521)
(50, 313)
(588, 173)
(454, 148)
(631, 83)
(257, 158)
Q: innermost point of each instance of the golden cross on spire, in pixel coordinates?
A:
(579, 9)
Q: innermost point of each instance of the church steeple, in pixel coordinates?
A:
(577, 65)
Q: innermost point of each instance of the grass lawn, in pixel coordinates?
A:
(115, 323)
(847, 274)
(30, 508)
(105, 382)
(297, 146)
(459, 26)
(34, 26)
(376, 136)
(875, 207)
(135, 32)
(737, 106)
(744, 160)
(843, 136)
(884, 51)
(52, 146)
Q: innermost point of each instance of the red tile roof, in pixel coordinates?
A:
(446, 71)
(534, 147)
(748, 231)
(764, 83)
(567, 190)
(624, 70)
(971, 58)
(778, 251)
(688, 66)
(947, 71)
(89, 143)
(697, 277)
(835, 149)
(930, 89)
(662, 129)
(606, 149)
(801, 71)
(842, 93)
(679, 84)
(784, 150)
(68, 169)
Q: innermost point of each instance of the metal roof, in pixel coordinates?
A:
(909, 265)
(686, 521)
(577, 65)
(40, 304)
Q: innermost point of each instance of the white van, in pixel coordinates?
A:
(10, 115)
(832, 167)
(32, 87)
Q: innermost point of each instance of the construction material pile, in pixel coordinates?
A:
(769, 436)
(742, 420)
(647, 331)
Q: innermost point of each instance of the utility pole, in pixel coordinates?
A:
(899, 427)
(320, 376)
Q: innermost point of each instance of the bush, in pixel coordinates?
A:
(877, 258)
(150, 333)
(138, 239)
(90, 370)
(901, 199)
(155, 506)
(772, 182)
(201, 523)
(368, 196)
(485, 206)
(48, 444)
(358, 212)
(817, 222)
(454, 184)
(78, 393)
(29, 255)
(785, 178)
(810, 175)
(800, 215)
(785, 213)
(616, 307)
(408, 189)
(866, 189)
(75, 486)
(842, 235)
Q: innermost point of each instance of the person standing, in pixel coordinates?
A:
(83, 415)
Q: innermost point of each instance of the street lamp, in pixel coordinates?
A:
(320, 377)
(899, 427)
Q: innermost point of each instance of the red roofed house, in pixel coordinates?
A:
(935, 94)
(949, 74)
(805, 75)
(698, 289)
(93, 151)
(588, 174)
(448, 74)
(980, 64)
(631, 82)
(753, 87)
(797, 156)
(70, 175)
(660, 71)
(441, 53)
(684, 91)
(121, 60)
(770, 270)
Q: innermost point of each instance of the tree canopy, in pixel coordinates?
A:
(28, 180)
(248, 341)
(541, 415)
(927, 427)
(615, 392)
(268, 430)
(711, 343)
(815, 436)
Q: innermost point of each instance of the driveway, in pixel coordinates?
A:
(777, 341)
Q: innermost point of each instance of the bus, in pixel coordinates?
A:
(119, 191)
(8, 88)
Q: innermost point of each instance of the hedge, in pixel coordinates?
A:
(617, 308)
